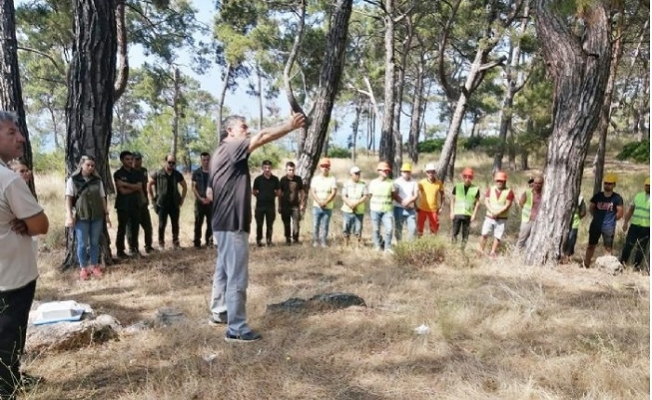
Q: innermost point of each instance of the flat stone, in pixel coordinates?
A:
(63, 336)
(324, 301)
(169, 316)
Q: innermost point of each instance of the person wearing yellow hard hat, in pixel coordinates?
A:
(606, 207)
(382, 192)
(638, 233)
(431, 200)
(323, 189)
(406, 194)
(464, 205)
(498, 200)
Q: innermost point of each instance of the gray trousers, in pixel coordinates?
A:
(524, 234)
(231, 279)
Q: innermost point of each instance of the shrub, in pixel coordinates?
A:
(420, 253)
(339, 152)
(636, 151)
(430, 145)
(49, 162)
(271, 152)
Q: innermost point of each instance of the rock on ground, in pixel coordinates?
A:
(609, 263)
(71, 335)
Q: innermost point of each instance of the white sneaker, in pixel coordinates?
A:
(315, 244)
(389, 251)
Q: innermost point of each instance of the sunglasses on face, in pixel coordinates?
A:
(172, 162)
(501, 181)
(356, 173)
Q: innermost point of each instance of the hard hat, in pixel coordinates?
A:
(325, 162)
(430, 167)
(406, 167)
(500, 176)
(647, 181)
(383, 166)
(468, 171)
(610, 178)
(354, 170)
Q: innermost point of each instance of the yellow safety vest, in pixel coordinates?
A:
(323, 187)
(353, 191)
(498, 202)
(641, 216)
(464, 203)
(381, 195)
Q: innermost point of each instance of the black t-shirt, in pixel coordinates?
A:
(231, 184)
(604, 215)
(266, 188)
(131, 200)
(290, 189)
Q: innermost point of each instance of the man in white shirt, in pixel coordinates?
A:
(20, 218)
(407, 191)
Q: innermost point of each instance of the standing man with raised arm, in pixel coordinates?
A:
(203, 205)
(231, 191)
(21, 218)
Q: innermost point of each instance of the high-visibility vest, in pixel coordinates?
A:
(353, 191)
(499, 202)
(641, 216)
(381, 195)
(464, 203)
(527, 206)
(576, 215)
(323, 187)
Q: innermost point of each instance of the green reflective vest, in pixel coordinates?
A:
(354, 191)
(527, 206)
(89, 204)
(464, 203)
(381, 195)
(576, 215)
(499, 201)
(641, 216)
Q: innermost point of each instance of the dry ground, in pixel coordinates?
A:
(498, 329)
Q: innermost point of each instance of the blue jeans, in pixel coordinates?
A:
(88, 234)
(231, 280)
(387, 219)
(401, 216)
(352, 224)
(321, 218)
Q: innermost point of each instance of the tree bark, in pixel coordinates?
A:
(220, 100)
(176, 99)
(605, 111)
(578, 64)
(89, 108)
(415, 118)
(330, 75)
(511, 78)
(356, 126)
(387, 150)
(11, 92)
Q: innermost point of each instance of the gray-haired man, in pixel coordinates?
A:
(231, 220)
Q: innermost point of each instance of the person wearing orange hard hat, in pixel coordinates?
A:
(431, 200)
(606, 207)
(638, 233)
(406, 194)
(498, 200)
(323, 189)
(382, 192)
(464, 205)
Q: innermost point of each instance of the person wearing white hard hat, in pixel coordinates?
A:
(354, 195)
(431, 200)
(405, 196)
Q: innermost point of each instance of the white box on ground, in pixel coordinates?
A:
(59, 311)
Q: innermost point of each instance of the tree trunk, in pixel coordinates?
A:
(330, 74)
(11, 92)
(578, 65)
(387, 150)
(220, 100)
(605, 111)
(415, 118)
(511, 77)
(355, 127)
(175, 112)
(89, 109)
(260, 99)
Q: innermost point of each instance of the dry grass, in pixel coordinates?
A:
(498, 329)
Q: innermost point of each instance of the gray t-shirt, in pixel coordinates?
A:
(231, 184)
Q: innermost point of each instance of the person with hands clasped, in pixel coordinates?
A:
(86, 211)
(323, 190)
(638, 233)
(291, 203)
(354, 195)
(498, 200)
(431, 200)
(203, 203)
(405, 195)
(464, 205)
